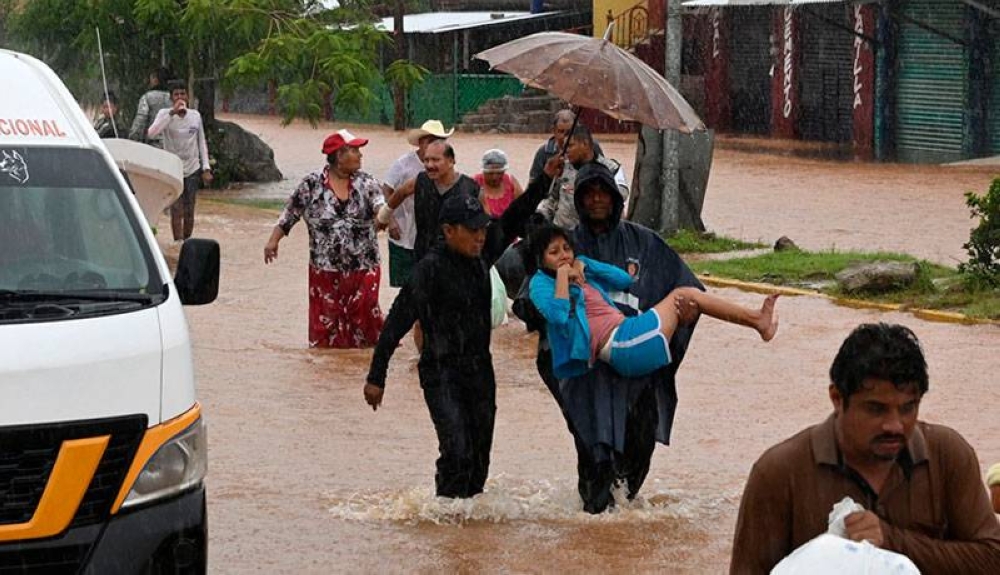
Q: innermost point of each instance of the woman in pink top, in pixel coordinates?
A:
(499, 187)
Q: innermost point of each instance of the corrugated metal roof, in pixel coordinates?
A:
(438, 22)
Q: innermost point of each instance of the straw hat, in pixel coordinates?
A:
(429, 128)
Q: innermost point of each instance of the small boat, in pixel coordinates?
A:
(157, 176)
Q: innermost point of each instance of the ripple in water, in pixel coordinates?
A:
(506, 500)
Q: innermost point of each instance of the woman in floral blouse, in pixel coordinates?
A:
(339, 205)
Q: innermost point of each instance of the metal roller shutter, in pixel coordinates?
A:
(932, 83)
(994, 109)
(749, 69)
(827, 80)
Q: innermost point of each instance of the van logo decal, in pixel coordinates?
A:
(13, 165)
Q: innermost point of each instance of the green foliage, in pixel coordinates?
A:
(314, 56)
(405, 75)
(982, 270)
(692, 242)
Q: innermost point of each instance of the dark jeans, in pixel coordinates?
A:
(182, 210)
(597, 478)
(462, 403)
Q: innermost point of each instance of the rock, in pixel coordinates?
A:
(240, 154)
(784, 243)
(878, 277)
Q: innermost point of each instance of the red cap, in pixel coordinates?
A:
(339, 139)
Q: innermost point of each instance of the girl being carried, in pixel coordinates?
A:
(584, 325)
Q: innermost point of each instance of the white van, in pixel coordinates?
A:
(102, 441)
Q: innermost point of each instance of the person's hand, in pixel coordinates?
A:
(554, 166)
(270, 252)
(373, 395)
(687, 310)
(207, 177)
(393, 229)
(179, 108)
(864, 526)
(574, 275)
(579, 266)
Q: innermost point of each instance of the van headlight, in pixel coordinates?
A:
(177, 465)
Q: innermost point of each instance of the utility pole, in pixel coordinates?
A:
(670, 166)
(399, 98)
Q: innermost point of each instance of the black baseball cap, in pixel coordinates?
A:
(463, 209)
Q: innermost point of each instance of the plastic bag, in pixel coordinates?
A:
(832, 554)
(498, 299)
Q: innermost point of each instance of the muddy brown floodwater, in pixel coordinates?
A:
(305, 478)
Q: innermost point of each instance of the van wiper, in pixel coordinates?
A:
(63, 295)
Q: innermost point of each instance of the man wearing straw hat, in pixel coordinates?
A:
(402, 227)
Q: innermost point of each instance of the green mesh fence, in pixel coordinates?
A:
(445, 97)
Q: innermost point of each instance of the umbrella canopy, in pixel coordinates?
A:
(595, 73)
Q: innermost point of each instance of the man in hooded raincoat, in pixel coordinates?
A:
(616, 421)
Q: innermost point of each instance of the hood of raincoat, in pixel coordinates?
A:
(596, 172)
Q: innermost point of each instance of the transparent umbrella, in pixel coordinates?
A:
(595, 73)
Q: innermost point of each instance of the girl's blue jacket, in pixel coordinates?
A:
(567, 328)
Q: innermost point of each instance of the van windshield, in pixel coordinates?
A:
(65, 229)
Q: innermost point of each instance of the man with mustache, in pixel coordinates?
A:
(429, 189)
(919, 483)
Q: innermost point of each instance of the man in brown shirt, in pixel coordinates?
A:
(920, 483)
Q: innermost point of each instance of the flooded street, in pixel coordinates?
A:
(305, 478)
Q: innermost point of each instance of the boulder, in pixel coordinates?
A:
(240, 155)
(785, 243)
(878, 277)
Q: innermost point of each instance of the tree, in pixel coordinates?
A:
(312, 54)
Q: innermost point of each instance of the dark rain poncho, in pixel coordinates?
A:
(597, 403)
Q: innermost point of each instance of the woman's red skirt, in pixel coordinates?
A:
(343, 308)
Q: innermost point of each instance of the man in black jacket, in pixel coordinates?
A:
(449, 293)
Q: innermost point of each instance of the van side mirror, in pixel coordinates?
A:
(197, 277)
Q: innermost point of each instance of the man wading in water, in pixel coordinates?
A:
(449, 293)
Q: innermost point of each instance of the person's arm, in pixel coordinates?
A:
(622, 183)
(139, 122)
(973, 538)
(206, 164)
(271, 247)
(518, 190)
(393, 226)
(161, 121)
(372, 191)
(295, 207)
(403, 314)
(544, 295)
(402, 192)
(608, 275)
(516, 216)
(763, 526)
(407, 189)
(537, 164)
(993, 480)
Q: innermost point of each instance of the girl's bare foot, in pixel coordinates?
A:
(767, 325)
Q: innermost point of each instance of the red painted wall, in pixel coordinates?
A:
(718, 110)
(864, 82)
(785, 103)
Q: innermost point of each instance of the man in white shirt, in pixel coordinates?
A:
(184, 135)
(403, 227)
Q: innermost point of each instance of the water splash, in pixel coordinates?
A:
(508, 500)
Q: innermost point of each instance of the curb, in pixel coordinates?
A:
(924, 314)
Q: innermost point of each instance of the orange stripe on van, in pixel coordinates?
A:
(71, 474)
(154, 438)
